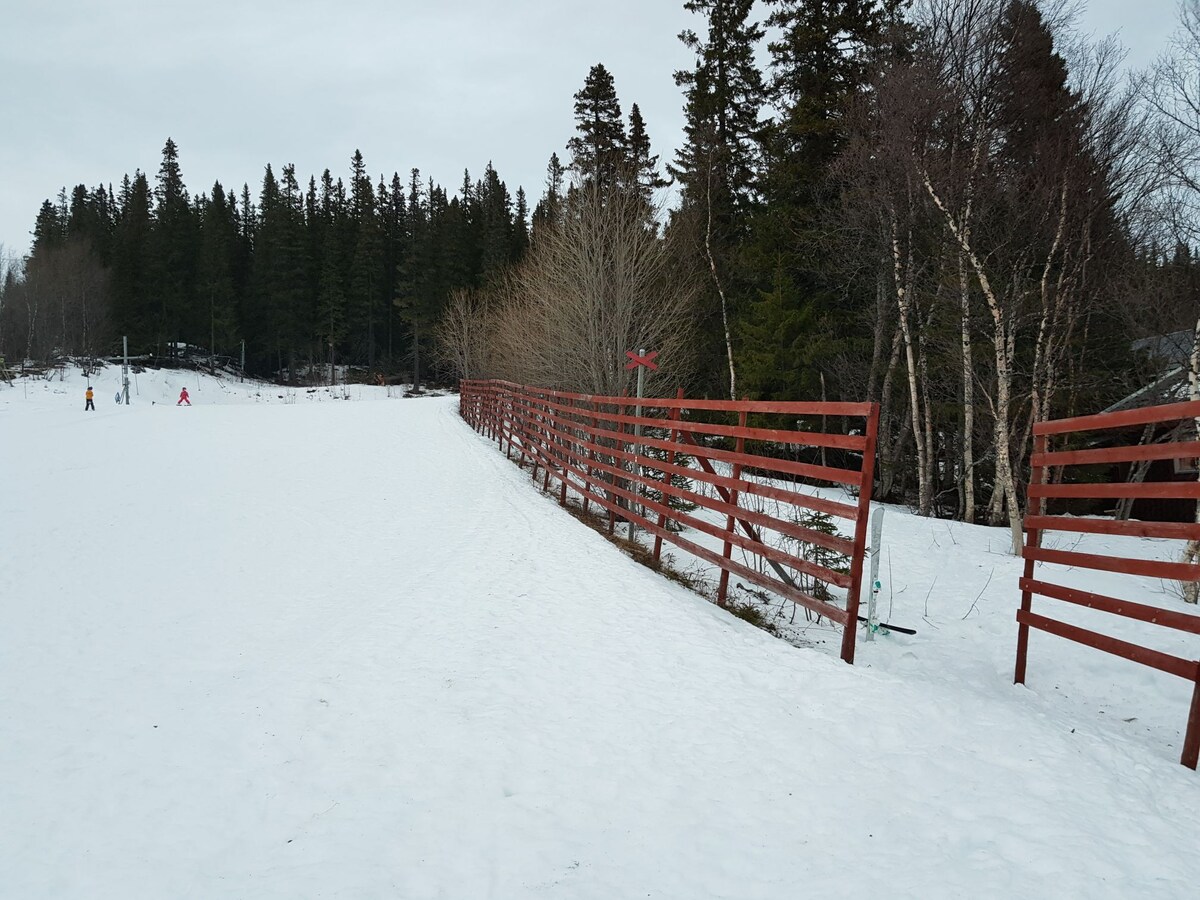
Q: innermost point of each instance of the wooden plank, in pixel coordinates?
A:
(769, 463)
(835, 543)
(617, 416)
(768, 435)
(798, 408)
(755, 546)
(1169, 412)
(1123, 565)
(1134, 453)
(1168, 618)
(787, 591)
(820, 504)
(1132, 527)
(1171, 490)
(1164, 662)
(708, 475)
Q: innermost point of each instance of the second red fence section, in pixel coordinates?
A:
(1104, 442)
(628, 457)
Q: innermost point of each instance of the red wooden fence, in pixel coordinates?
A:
(1036, 522)
(599, 447)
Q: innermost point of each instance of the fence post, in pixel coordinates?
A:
(591, 456)
(535, 437)
(567, 454)
(497, 423)
(1033, 538)
(866, 485)
(489, 411)
(676, 414)
(1191, 740)
(612, 477)
(521, 403)
(631, 484)
(506, 419)
(727, 549)
(548, 441)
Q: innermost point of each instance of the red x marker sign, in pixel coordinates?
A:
(646, 360)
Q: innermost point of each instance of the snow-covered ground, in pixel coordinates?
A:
(274, 647)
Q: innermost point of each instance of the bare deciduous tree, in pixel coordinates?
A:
(463, 335)
(603, 281)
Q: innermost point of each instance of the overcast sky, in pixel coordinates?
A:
(92, 90)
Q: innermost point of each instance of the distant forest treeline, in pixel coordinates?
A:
(302, 273)
(959, 209)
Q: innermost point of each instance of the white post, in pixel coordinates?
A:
(125, 369)
(636, 508)
(873, 598)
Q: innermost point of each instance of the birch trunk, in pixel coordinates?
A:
(1041, 352)
(904, 302)
(1002, 341)
(1137, 475)
(712, 268)
(1191, 553)
(968, 374)
(888, 454)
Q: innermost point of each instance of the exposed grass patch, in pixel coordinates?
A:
(753, 614)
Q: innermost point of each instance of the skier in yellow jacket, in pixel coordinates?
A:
(89, 405)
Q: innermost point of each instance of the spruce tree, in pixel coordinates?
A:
(549, 207)
(415, 286)
(496, 221)
(366, 267)
(520, 229)
(598, 151)
(132, 289)
(716, 171)
(174, 257)
(723, 94)
(215, 270)
(330, 326)
(642, 165)
(393, 215)
(820, 61)
(49, 228)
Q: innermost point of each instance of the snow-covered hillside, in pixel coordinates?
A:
(277, 647)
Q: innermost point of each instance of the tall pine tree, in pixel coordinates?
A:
(715, 169)
(598, 150)
(820, 61)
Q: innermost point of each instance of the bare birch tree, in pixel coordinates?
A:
(993, 180)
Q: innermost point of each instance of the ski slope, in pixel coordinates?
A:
(283, 644)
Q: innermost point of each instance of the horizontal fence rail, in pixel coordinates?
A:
(1171, 445)
(633, 458)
